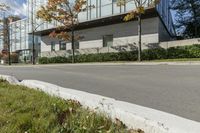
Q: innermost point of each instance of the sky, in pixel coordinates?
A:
(18, 7)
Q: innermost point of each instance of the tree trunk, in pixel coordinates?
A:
(140, 38)
(6, 37)
(73, 47)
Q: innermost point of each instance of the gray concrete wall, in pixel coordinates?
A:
(121, 48)
(113, 49)
(169, 44)
(123, 33)
(125, 38)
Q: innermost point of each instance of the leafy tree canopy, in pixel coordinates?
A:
(65, 13)
(187, 17)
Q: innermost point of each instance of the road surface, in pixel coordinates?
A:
(173, 89)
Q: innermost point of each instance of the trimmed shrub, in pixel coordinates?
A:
(59, 59)
(127, 56)
(192, 51)
(103, 57)
(43, 60)
(177, 52)
(153, 54)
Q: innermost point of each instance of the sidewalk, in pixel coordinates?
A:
(145, 63)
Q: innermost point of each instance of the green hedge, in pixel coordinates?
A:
(58, 59)
(192, 51)
(102, 57)
(153, 54)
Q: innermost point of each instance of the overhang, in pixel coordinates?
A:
(115, 19)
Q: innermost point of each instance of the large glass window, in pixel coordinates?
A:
(62, 45)
(107, 40)
(53, 46)
(76, 44)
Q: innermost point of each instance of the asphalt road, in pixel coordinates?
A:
(173, 89)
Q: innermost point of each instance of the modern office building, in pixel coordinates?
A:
(101, 26)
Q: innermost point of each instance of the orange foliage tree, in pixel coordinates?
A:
(137, 12)
(65, 13)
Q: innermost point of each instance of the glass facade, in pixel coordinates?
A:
(20, 40)
(103, 8)
(165, 14)
(96, 9)
(19, 35)
(33, 6)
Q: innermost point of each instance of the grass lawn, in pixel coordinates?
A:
(24, 110)
(177, 60)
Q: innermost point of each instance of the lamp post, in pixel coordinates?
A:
(9, 20)
(6, 31)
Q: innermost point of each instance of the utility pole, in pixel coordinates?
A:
(139, 34)
(73, 47)
(140, 37)
(33, 34)
(8, 41)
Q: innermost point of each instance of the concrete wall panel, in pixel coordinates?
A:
(123, 33)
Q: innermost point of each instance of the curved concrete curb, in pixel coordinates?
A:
(134, 116)
(10, 79)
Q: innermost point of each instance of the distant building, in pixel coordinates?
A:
(102, 26)
(2, 16)
(19, 38)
